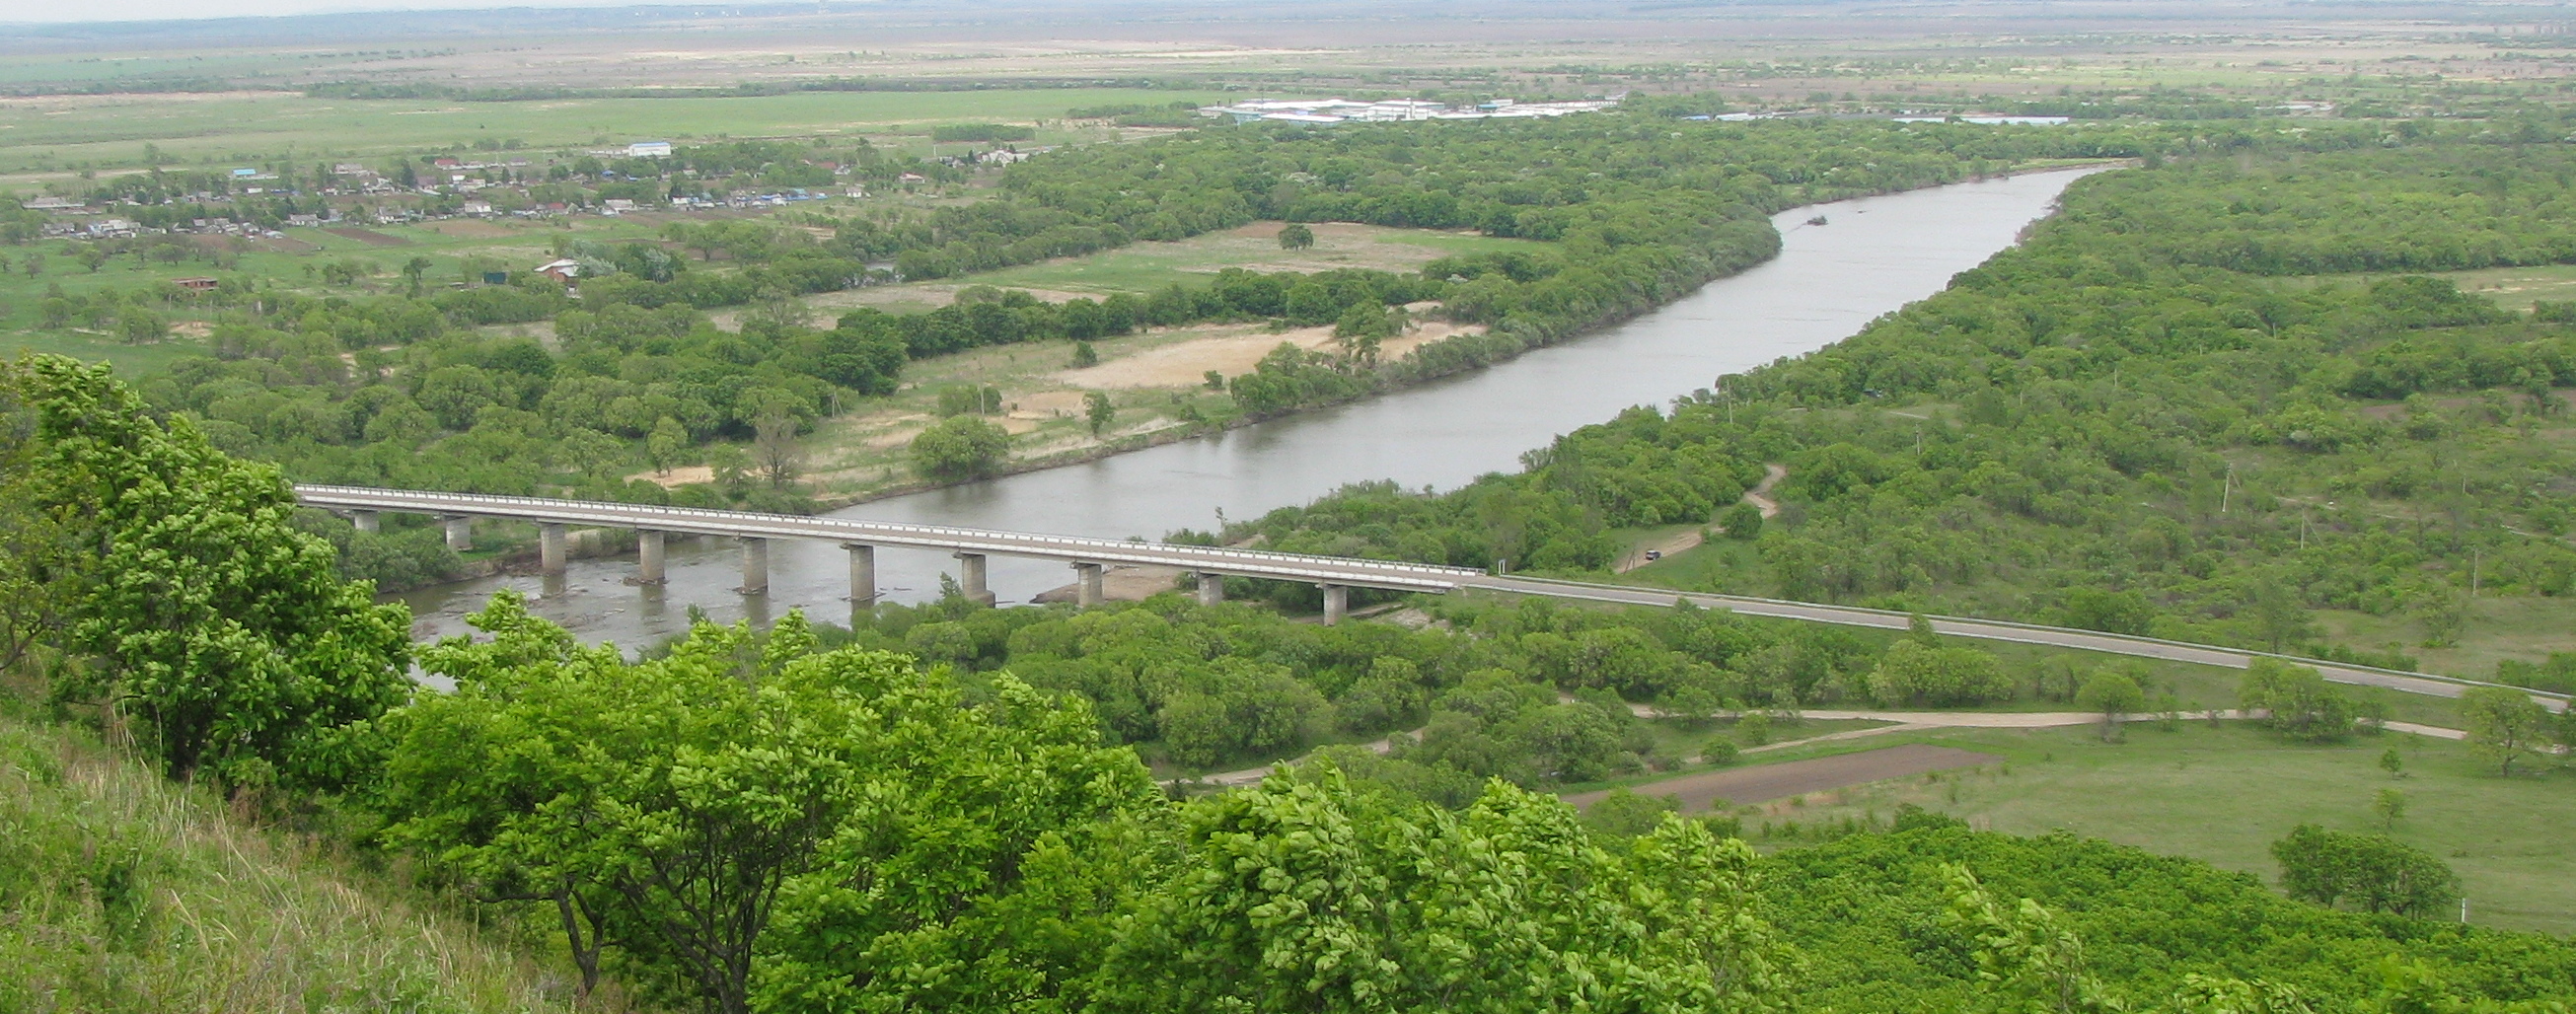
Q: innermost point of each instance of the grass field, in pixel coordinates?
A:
(51, 135)
(2223, 793)
(127, 892)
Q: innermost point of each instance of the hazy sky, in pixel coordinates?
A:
(150, 10)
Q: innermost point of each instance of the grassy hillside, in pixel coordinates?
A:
(124, 892)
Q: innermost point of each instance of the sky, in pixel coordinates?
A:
(157, 10)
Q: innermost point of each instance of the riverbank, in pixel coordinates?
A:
(1439, 434)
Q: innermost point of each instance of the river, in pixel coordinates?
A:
(1875, 254)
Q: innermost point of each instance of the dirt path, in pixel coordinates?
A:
(1797, 778)
(1759, 496)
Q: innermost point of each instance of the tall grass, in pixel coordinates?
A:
(120, 891)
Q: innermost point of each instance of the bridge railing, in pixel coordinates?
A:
(600, 511)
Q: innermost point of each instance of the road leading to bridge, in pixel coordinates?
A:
(1993, 630)
(1335, 574)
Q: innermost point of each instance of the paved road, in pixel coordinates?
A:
(1320, 569)
(1992, 630)
(1205, 559)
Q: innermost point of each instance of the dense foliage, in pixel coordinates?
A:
(2131, 422)
(170, 582)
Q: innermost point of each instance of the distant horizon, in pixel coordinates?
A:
(110, 12)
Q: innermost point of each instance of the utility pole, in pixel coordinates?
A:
(2477, 555)
(2226, 485)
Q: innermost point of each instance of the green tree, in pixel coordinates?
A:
(220, 630)
(2504, 725)
(1085, 356)
(1296, 236)
(960, 447)
(2389, 805)
(1628, 814)
(1097, 410)
(665, 444)
(414, 270)
(2026, 955)
(2113, 693)
(1742, 522)
(1302, 894)
(2390, 762)
(2295, 701)
(2375, 873)
(139, 326)
(1913, 674)
(730, 815)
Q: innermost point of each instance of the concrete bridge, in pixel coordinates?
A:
(1335, 575)
(1088, 557)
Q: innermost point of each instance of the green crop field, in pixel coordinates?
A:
(68, 132)
(2225, 792)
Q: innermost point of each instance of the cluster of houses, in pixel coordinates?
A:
(1322, 112)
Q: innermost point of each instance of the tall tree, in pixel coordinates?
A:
(2504, 725)
(222, 631)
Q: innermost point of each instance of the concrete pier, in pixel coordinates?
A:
(460, 534)
(755, 566)
(970, 578)
(365, 520)
(648, 556)
(1086, 584)
(1337, 601)
(550, 548)
(1211, 588)
(863, 573)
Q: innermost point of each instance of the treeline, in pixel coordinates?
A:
(762, 821)
(2134, 422)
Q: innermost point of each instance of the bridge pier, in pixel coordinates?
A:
(365, 520)
(755, 565)
(648, 556)
(1337, 601)
(550, 548)
(863, 573)
(460, 533)
(1087, 590)
(1211, 588)
(970, 578)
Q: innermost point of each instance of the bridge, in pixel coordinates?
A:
(972, 547)
(1335, 575)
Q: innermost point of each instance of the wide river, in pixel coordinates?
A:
(1874, 255)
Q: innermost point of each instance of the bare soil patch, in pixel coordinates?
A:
(1797, 778)
(472, 230)
(1231, 349)
(369, 237)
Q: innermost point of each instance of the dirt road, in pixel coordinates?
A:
(1797, 778)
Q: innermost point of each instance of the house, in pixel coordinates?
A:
(649, 149)
(911, 178)
(305, 221)
(446, 163)
(49, 203)
(114, 228)
(476, 208)
(1000, 156)
(196, 284)
(565, 270)
(617, 206)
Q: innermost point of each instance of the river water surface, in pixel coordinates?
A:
(1874, 255)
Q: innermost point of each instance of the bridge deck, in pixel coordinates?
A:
(1205, 559)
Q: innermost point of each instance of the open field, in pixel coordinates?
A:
(2224, 792)
(44, 137)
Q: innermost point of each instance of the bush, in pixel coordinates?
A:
(1915, 673)
(1720, 752)
(960, 447)
(2374, 872)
